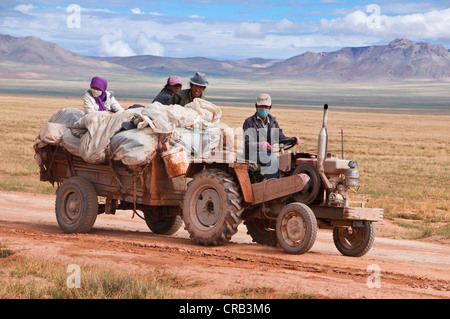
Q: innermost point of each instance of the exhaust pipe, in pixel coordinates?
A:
(322, 149)
(323, 139)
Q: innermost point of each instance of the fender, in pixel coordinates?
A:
(240, 170)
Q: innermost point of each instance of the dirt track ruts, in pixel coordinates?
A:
(408, 269)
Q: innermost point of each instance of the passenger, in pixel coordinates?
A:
(261, 131)
(198, 85)
(97, 98)
(173, 85)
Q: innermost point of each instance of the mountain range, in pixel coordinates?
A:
(401, 59)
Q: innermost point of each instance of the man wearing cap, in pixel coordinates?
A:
(198, 85)
(173, 85)
(261, 131)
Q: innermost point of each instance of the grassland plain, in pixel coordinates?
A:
(431, 96)
(403, 157)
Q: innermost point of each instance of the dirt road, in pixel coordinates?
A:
(392, 269)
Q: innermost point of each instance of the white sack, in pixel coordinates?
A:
(165, 118)
(209, 113)
(51, 133)
(200, 143)
(71, 143)
(155, 116)
(66, 116)
(101, 126)
(134, 147)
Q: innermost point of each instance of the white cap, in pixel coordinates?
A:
(264, 99)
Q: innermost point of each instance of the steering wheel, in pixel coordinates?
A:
(287, 144)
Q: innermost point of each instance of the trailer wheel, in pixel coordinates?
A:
(168, 225)
(354, 241)
(76, 205)
(262, 231)
(296, 228)
(212, 207)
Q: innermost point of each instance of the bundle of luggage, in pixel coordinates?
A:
(133, 136)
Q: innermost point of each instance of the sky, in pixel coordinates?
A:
(224, 30)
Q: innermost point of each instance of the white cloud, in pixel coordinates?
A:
(150, 46)
(285, 25)
(24, 8)
(112, 44)
(136, 11)
(194, 16)
(434, 24)
(250, 30)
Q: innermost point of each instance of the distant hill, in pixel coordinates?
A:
(35, 51)
(152, 63)
(401, 59)
(33, 54)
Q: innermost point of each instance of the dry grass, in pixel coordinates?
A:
(403, 158)
(24, 278)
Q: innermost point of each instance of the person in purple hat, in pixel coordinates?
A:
(97, 98)
(173, 85)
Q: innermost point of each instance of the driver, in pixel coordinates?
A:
(261, 131)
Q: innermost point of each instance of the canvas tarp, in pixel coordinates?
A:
(101, 135)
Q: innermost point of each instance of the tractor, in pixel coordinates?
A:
(311, 192)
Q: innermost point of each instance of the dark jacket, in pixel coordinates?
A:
(255, 133)
(182, 97)
(163, 96)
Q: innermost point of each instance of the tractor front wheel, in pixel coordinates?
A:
(354, 241)
(296, 228)
(262, 231)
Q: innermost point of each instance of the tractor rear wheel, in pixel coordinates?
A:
(212, 207)
(169, 223)
(262, 231)
(354, 241)
(296, 228)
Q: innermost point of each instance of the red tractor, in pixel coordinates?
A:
(310, 193)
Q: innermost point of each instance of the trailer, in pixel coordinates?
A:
(85, 190)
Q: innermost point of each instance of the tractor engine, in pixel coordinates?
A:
(330, 177)
(341, 180)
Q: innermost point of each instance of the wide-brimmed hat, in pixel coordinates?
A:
(199, 79)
